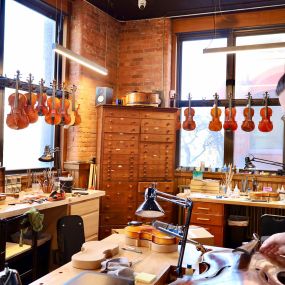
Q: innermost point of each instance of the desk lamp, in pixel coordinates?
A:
(250, 166)
(151, 209)
(48, 156)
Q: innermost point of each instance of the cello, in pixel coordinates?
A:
(189, 124)
(42, 98)
(215, 125)
(248, 124)
(230, 124)
(265, 125)
(53, 117)
(17, 119)
(31, 101)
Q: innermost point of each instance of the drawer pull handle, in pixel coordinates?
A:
(202, 208)
(203, 219)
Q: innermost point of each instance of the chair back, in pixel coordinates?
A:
(271, 224)
(70, 237)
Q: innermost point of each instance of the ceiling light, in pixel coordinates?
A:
(245, 48)
(79, 59)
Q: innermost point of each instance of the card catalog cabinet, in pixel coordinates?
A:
(135, 146)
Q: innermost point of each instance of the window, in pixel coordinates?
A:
(256, 73)
(204, 74)
(28, 38)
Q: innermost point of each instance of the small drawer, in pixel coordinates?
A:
(129, 129)
(121, 136)
(118, 113)
(208, 208)
(91, 224)
(84, 207)
(119, 185)
(158, 115)
(207, 219)
(157, 138)
(161, 186)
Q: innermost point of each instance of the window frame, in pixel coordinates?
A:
(231, 34)
(56, 15)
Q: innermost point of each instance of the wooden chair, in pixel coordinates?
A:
(12, 253)
(271, 224)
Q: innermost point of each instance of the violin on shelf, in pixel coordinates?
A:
(248, 112)
(41, 107)
(64, 105)
(189, 123)
(17, 119)
(215, 125)
(31, 101)
(53, 117)
(230, 123)
(265, 125)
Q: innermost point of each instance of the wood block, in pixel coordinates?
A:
(93, 253)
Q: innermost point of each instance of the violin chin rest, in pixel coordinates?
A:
(281, 277)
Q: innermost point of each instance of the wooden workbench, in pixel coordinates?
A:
(153, 263)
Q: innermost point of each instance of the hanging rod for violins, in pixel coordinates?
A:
(25, 86)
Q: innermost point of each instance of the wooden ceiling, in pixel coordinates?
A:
(125, 10)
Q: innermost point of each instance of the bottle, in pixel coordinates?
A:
(236, 192)
(189, 270)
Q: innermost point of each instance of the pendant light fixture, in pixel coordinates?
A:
(245, 48)
(79, 59)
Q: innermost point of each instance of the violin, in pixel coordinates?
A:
(53, 117)
(31, 101)
(248, 124)
(17, 119)
(150, 233)
(215, 125)
(42, 98)
(64, 103)
(265, 125)
(75, 118)
(230, 124)
(189, 124)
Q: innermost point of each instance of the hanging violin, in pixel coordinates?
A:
(31, 101)
(75, 118)
(215, 125)
(248, 124)
(17, 119)
(230, 124)
(265, 125)
(64, 105)
(53, 117)
(189, 124)
(42, 98)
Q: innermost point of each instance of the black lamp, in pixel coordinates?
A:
(250, 166)
(48, 156)
(151, 209)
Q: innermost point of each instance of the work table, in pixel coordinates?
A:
(159, 263)
(7, 211)
(242, 201)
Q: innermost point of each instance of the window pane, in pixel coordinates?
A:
(28, 48)
(261, 145)
(203, 74)
(259, 71)
(202, 144)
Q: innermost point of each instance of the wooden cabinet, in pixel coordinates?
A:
(135, 146)
(211, 217)
(79, 170)
(89, 211)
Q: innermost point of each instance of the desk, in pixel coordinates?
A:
(150, 262)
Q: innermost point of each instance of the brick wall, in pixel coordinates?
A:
(136, 54)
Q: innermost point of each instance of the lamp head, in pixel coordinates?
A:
(47, 155)
(150, 208)
(248, 163)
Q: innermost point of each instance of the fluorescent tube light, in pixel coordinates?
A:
(245, 48)
(79, 59)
